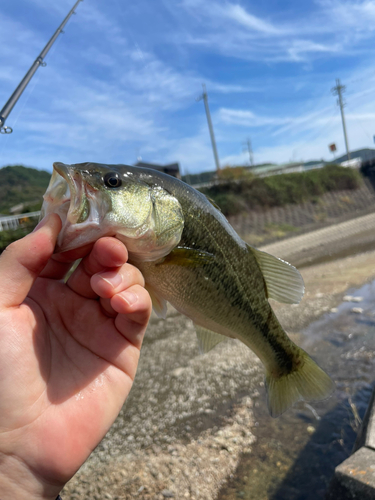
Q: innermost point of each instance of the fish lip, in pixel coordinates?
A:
(80, 191)
(64, 172)
(76, 188)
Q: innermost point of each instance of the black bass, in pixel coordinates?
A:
(191, 257)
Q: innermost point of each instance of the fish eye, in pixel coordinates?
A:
(112, 180)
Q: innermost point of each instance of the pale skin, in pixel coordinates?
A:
(68, 356)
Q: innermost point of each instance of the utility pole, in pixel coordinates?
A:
(249, 148)
(213, 142)
(338, 90)
(39, 61)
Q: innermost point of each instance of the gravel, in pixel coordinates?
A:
(189, 417)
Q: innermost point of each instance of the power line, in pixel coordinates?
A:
(338, 90)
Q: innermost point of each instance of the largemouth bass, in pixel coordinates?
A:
(191, 257)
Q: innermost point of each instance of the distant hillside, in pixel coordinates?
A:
(22, 185)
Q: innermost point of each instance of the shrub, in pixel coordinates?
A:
(230, 204)
(7, 237)
(250, 192)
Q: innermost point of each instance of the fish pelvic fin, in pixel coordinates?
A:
(307, 382)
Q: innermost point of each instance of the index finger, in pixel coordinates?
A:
(107, 253)
(22, 261)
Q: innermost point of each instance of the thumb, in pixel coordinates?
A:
(22, 261)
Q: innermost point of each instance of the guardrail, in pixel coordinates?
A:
(13, 222)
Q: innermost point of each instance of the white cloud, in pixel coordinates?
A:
(239, 14)
(355, 14)
(246, 118)
(299, 49)
(332, 26)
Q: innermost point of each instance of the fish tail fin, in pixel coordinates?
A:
(308, 382)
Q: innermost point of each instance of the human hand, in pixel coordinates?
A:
(68, 356)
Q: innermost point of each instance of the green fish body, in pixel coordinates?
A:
(192, 258)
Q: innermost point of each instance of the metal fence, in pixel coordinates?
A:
(267, 225)
(13, 222)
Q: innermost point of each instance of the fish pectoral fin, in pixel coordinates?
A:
(187, 257)
(159, 304)
(283, 281)
(207, 339)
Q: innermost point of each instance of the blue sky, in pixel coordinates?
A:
(122, 81)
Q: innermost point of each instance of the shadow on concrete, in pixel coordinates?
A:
(331, 444)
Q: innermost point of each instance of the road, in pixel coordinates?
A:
(346, 238)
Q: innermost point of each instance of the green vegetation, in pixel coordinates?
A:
(234, 173)
(199, 178)
(240, 195)
(7, 237)
(19, 184)
(279, 229)
(271, 231)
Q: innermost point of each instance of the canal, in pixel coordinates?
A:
(295, 455)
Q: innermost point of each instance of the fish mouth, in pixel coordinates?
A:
(76, 203)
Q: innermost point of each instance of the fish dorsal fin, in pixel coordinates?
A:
(159, 304)
(213, 203)
(284, 282)
(207, 339)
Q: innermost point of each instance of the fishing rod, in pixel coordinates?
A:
(39, 61)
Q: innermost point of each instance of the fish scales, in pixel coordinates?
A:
(240, 292)
(191, 257)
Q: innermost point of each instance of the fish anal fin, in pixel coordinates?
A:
(159, 304)
(283, 281)
(308, 382)
(207, 339)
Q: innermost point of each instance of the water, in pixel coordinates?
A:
(295, 455)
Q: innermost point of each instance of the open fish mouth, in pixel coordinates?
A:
(57, 197)
(77, 204)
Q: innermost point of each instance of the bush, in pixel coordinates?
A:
(250, 192)
(234, 173)
(230, 204)
(7, 237)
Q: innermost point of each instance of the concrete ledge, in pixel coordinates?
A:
(366, 435)
(355, 477)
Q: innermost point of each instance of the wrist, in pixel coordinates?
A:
(18, 482)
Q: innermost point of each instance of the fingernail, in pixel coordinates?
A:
(40, 224)
(114, 278)
(130, 297)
